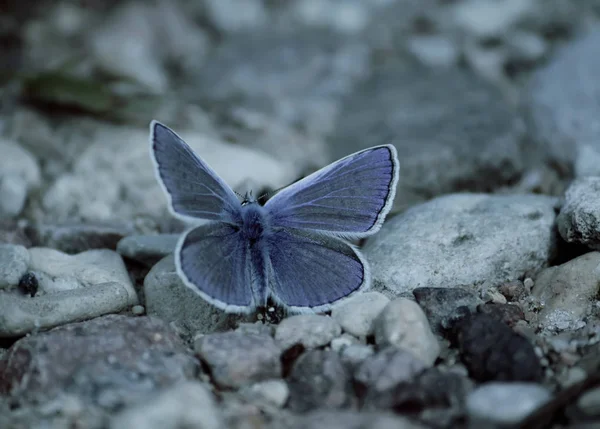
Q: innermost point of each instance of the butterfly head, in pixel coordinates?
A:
(248, 198)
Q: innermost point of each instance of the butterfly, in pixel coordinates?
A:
(292, 249)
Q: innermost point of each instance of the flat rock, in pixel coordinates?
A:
(168, 298)
(19, 173)
(236, 359)
(356, 315)
(504, 404)
(403, 324)
(148, 249)
(109, 361)
(563, 109)
(462, 240)
(310, 330)
(124, 185)
(319, 380)
(14, 261)
(568, 292)
(434, 116)
(579, 217)
(188, 401)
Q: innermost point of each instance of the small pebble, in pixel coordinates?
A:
(310, 330)
(528, 283)
(272, 392)
(357, 314)
(138, 310)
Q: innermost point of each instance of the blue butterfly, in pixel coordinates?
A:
(292, 249)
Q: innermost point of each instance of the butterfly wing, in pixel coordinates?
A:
(213, 260)
(311, 271)
(350, 197)
(194, 190)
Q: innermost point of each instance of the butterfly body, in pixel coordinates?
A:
(291, 249)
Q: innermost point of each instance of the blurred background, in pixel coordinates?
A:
(266, 91)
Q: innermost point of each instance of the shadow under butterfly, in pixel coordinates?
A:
(292, 249)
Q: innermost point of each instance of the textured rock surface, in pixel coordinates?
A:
(579, 218)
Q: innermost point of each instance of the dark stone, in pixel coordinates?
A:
(514, 290)
(77, 238)
(110, 361)
(319, 380)
(506, 313)
(440, 303)
(494, 352)
(236, 358)
(28, 284)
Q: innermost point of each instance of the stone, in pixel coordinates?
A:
(403, 324)
(492, 351)
(356, 315)
(434, 116)
(568, 291)
(167, 297)
(562, 109)
(515, 289)
(504, 404)
(318, 379)
(189, 402)
(354, 355)
(19, 174)
(378, 374)
(109, 362)
(20, 314)
(230, 16)
(435, 397)
(506, 313)
(147, 249)
(124, 185)
(14, 261)
(77, 238)
(13, 232)
(439, 303)
(346, 419)
(271, 392)
(589, 402)
(236, 359)
(56, 271)
(301, 89)
(578, 220)
(310, 330)
(503, 237)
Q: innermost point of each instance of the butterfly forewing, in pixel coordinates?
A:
(193, 188)
(351, 196)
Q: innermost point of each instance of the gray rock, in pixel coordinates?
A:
(589, 402)
(345, 419)
(56, 271)
(230, 16)
(563, 109)
(297, 77)
(504, 404)
(76, 238)
(148, 249)
(434, 116)
(123, 185)
(168, 298)
(19, 173)
(391, 366)
(20, 314)
(579, 218)
(440, 304)
(357, 314)
(14, 261)
(318, 379)
(462, 240)
(236, 359)
(13, 232)
(269, 392)
(310, 330)
(403, 324)
(68, 288)
(108, 362)
(355, 354)
(568, 291)
(190, 402)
